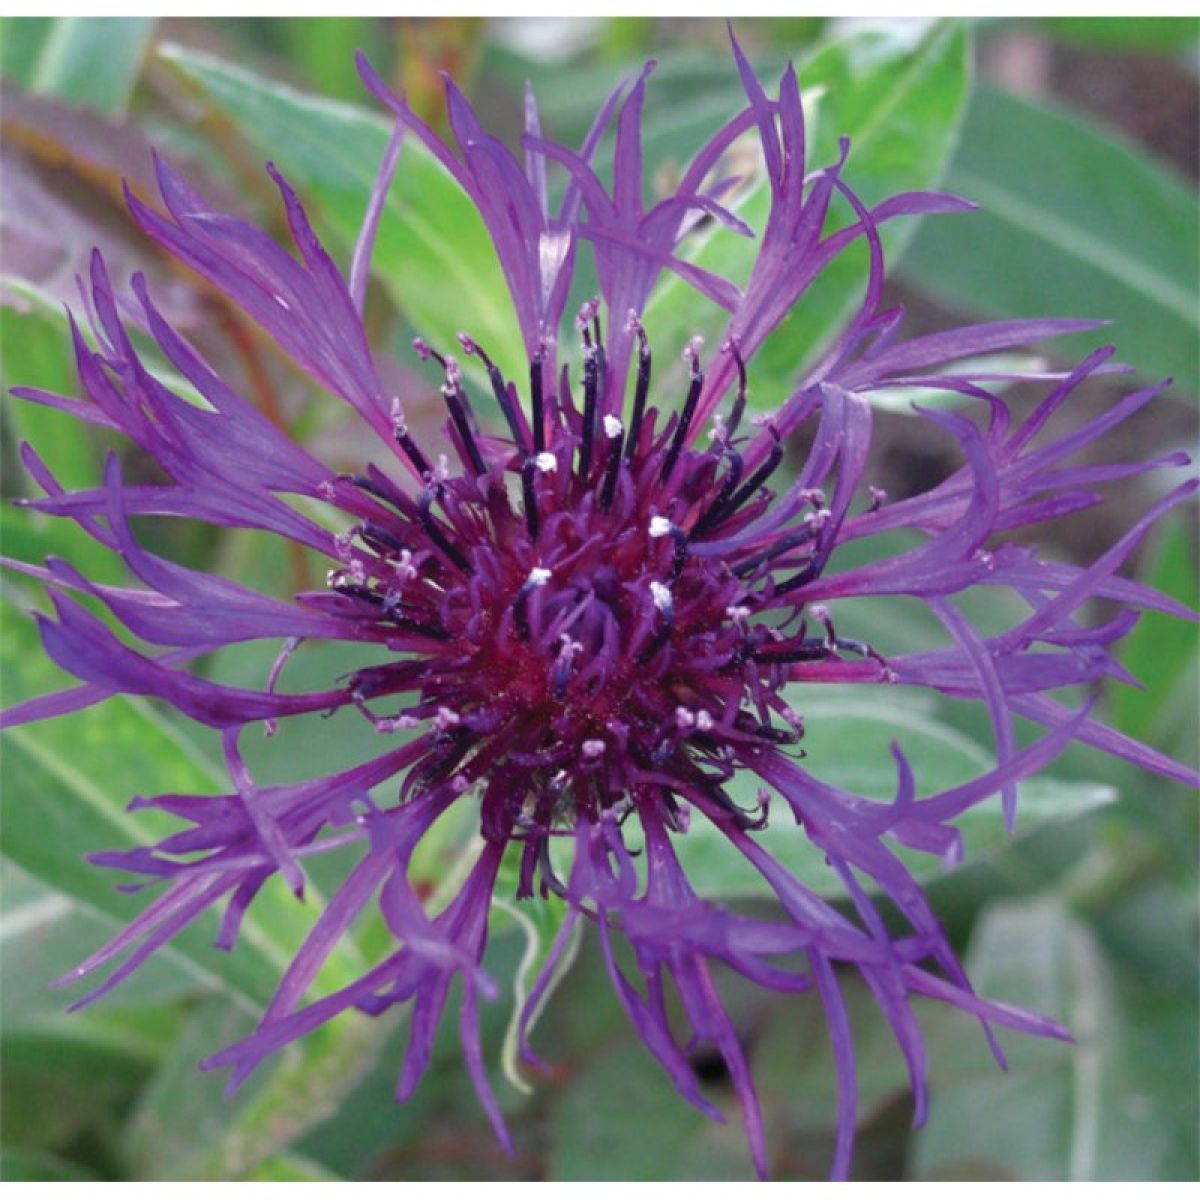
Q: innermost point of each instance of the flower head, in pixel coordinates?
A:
(583, 626)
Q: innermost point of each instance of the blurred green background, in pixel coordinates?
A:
(1078, 137)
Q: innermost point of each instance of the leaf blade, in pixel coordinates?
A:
(1095, 229)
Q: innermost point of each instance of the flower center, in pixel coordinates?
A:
(567, 634)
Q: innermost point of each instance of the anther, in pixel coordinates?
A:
(589, 311)
(562, 664)
(614, 431)
(404, 439)
(538, 577)
(661, 527)
(663, 599)
(404, 568)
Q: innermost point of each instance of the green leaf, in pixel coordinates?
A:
(848, 742)
(622, 1119)
(1162, 651)
(901, 105)
(794, 1068)
(433, 255)
(35, 349)
(1131, 34)
(21, 41)
(290, 1168)
(92, 62)
(1074, 223)
(60, 1091)
(184, 1128)
(1103, 1108)
(323, 50)
(19, 1165)
(44, 935)
(67, 782)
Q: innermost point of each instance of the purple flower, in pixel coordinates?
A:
(584, 627)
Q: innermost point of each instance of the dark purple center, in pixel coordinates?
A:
(580, 639)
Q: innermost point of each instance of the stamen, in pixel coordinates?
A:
(446, 719)
(536, 404)
(751, 486)
(641, 388)
(404, 440)
(665, 603)
(562, 664)
(436, 534)
(739, 404)
(691, 354)
(425, 351)
(614, 432)
(538, 577)
(591, 387)
(589, 311)
(721, 504)
(499, 389)
(529, 493)
(782, 546)
(383, 539)
(460, 414)
(661, 527)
